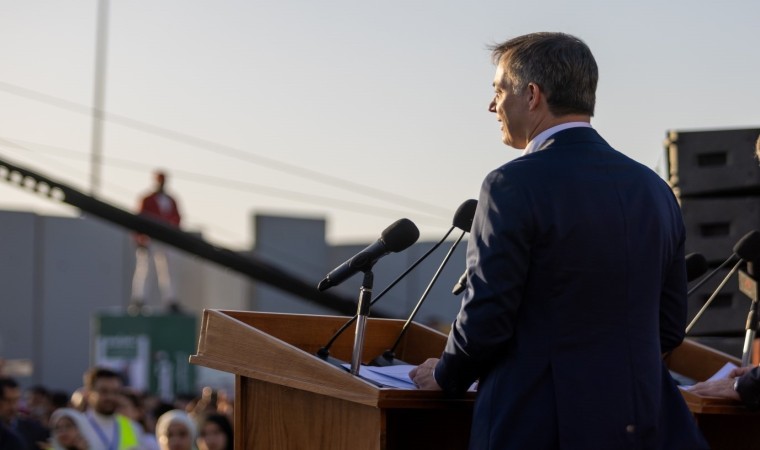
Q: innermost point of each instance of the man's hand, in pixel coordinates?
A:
(723, 388)
(422, 375)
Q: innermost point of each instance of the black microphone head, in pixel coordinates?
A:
(400, 235)
(465, 213)
(696, 265)
(748, 247)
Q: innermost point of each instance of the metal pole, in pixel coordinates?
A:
(99, 96)
(365, 295)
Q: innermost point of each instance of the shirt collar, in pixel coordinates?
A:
(537, 142)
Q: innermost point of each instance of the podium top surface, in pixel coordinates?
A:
(280, 348)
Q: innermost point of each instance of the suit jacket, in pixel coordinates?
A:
(576, 285)
(748, 388)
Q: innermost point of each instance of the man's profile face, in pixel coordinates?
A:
(511, 109)
(9, 403)
(104, 395)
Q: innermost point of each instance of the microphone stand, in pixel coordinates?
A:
(709, 276)
(365, 295)
(388, 358)
(749, 336)
(749, 287)
(712, 297)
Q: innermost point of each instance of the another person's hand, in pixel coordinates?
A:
(739, 371)
(422, 375)
(723, 388)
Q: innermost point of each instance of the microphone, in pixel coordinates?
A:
(747, 249)
(461, 284)
(696, 266)
(462, 218)
(464, 215)
(397, 237)
(749, 244)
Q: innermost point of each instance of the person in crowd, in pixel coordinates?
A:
(225, 403)
(9, 440)
(60, 399)
(39, 403)
(72, 431)
(205, 404)
(576, 277)
(163, 207)
(78, 399)
(215, 432)
(175, 430)
(103, 389)
(28, 429)
(131, 406)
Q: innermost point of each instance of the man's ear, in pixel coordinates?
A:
(535, 96)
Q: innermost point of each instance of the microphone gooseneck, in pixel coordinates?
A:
(747, 249)
(462, 218)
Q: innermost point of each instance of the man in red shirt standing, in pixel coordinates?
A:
(161, 206)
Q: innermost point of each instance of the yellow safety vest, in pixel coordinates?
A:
(127, 434)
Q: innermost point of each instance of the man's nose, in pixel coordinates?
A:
(492, 106)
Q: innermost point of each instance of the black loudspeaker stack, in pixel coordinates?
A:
(716, 177)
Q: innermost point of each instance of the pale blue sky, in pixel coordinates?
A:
(390, 95)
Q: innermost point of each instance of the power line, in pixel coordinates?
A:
(242, 186)
(226, 150)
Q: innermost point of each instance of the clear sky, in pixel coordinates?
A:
(306, 108)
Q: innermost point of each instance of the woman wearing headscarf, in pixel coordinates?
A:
(71, 431)
(175, 430)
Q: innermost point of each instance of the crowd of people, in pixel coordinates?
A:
(106, 415)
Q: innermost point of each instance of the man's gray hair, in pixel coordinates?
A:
(560, 64)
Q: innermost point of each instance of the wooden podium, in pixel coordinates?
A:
(287, 398)
(726, 424)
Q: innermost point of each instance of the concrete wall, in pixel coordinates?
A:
(19, 298)
(82, 270)
(296, 245)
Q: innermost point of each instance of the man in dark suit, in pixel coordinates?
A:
(575, 273)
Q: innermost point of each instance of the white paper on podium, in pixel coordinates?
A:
(720, 374)
(393, 376)
(390, 376)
